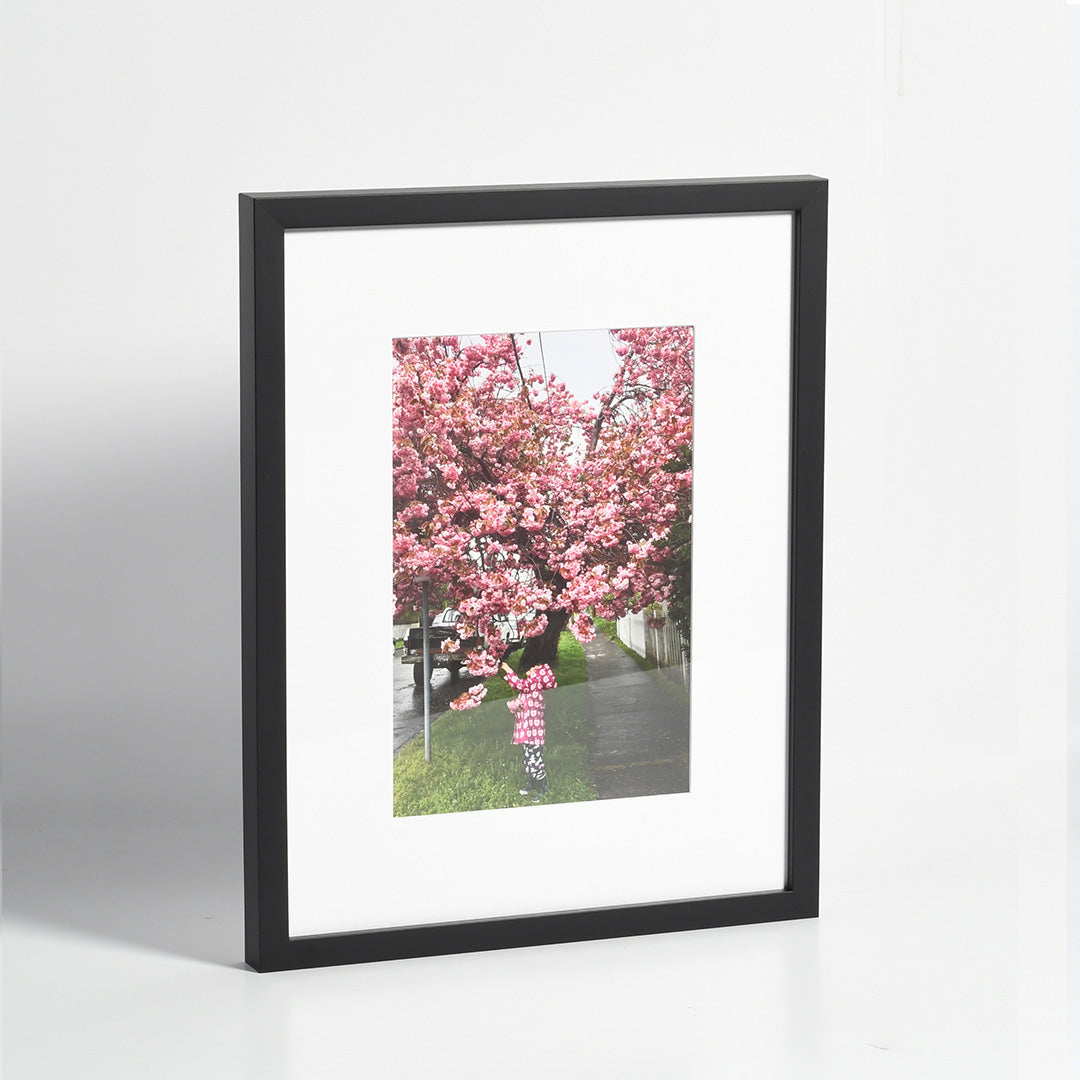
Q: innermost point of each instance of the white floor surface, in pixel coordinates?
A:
(123, 950)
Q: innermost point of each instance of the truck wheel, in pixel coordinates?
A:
(418, 674)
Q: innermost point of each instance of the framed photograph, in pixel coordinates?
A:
(532, 525)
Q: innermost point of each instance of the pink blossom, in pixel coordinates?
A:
(470, 699)
(481, 664)
(581, 626)
(533, 627)
(522, 506)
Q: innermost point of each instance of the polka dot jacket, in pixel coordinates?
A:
(528, 707)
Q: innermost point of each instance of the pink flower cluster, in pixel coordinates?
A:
(521, 501)
(470, 699)
(533, 627)
(481, 663)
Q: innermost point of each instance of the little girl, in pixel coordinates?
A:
(528, 710)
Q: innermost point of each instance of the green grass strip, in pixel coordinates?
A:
(474, 766)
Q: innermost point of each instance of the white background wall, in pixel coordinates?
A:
(1074, 542)
(129, 128)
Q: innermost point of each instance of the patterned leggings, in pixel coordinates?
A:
(533, 754)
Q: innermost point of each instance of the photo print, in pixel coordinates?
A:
(542, 519)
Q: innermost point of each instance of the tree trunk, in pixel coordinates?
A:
(544, 648)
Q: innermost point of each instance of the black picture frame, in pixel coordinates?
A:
(264, 221)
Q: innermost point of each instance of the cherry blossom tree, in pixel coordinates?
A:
(520, 500)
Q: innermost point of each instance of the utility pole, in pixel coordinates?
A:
(424, 623)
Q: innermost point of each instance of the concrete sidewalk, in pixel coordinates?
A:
(642, 732)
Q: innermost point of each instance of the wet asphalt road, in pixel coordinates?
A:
(409, 699)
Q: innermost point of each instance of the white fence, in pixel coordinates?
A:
(665, 647)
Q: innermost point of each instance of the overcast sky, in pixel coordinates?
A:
(583, 359)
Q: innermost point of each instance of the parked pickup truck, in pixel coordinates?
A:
(443, 627)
